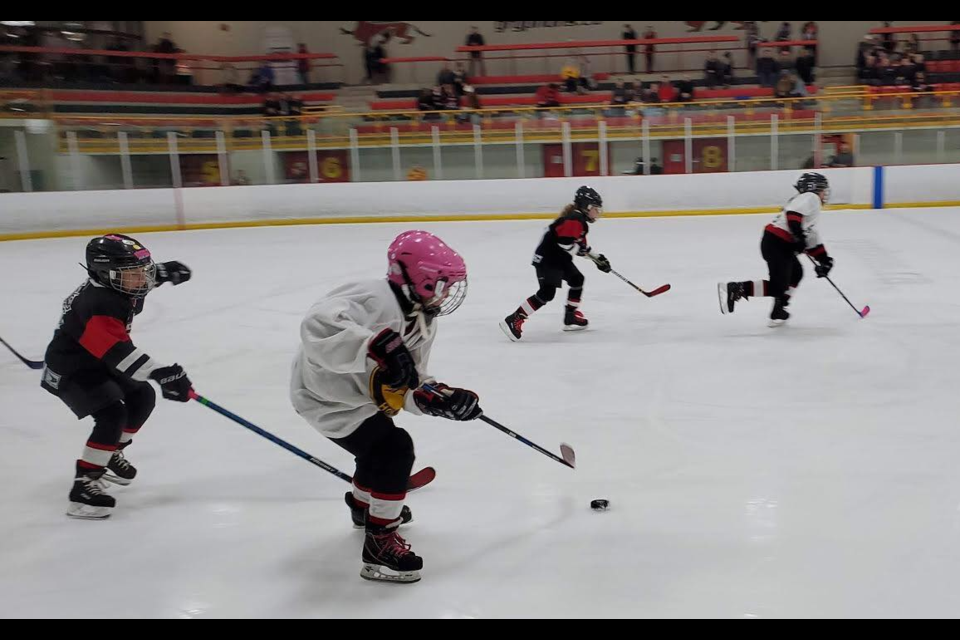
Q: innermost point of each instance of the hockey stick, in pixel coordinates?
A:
(866, 310)
(417, 481)
(651, 294)
(569, 458)
(36, 366)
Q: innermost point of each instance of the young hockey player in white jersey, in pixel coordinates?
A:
(364, 359)
(792, 233)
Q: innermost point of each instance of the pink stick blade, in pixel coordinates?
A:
(569, 456)
(865, 313)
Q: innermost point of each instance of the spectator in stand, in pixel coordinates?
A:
(810, 32)
(906, 72)
(889, 40)
(712, 71)
(955, 36)
(650, 50)
(767, 68)
(685, 90)
(844, 159)
(571, 76)
(886, 72)
(784, 34)
(446, 75)
(262, 80)
(476, 39)
(548, 96)
(667, 92)
(806, 65)
(753, 41)
(370, 63)
(785, 86)
(726, 70)
(304, 65)
(630, 34)
(785, 60)
(426, 101)
(166, 69)
(292, 105)
(651, 95)
(380, 52)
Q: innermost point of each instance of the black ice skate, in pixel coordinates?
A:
(387, 557)
(730, 294)
(120, 471)
(88, 500)
(512, 326)
(574, 321)
(780, 315)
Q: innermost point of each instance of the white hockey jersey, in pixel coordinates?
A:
(330, 385)
(808, 206)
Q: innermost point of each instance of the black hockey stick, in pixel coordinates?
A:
(36, 366)
(650, 294)
(866, 310)
(417, 481)
(569, 458)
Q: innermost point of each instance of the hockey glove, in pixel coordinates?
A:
(442, 401)
(397, 367)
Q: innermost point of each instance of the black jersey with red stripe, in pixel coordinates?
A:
(563, 239)
(94, 332)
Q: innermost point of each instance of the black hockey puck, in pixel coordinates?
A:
(600, 505)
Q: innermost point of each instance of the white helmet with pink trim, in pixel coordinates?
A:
(431, 274)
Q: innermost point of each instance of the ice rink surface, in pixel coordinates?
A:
(808, 471)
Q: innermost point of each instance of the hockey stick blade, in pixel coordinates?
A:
(658, 292)
(865, 313)
(36, 366)
(569, 455)
(421, 479)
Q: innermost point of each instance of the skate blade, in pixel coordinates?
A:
(379, 573)
(117, 480)
(86, 512)
(572, 328)
(506, 330)
(776, 324)
(722, 292)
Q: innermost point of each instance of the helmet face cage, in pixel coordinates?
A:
(136, 281)
(448, 299)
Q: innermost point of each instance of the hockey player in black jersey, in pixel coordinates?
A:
(792, 233)
(95, 369)
(564, 239)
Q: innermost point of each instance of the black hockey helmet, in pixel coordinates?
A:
(813, 183)
(121, 263)
(587, 197)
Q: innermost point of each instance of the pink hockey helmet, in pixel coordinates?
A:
(431, 273)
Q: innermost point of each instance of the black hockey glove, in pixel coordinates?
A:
(825, 267)
(460, 405)
(603, 264)
(398, 369)
(174, 383)
(175, 273)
